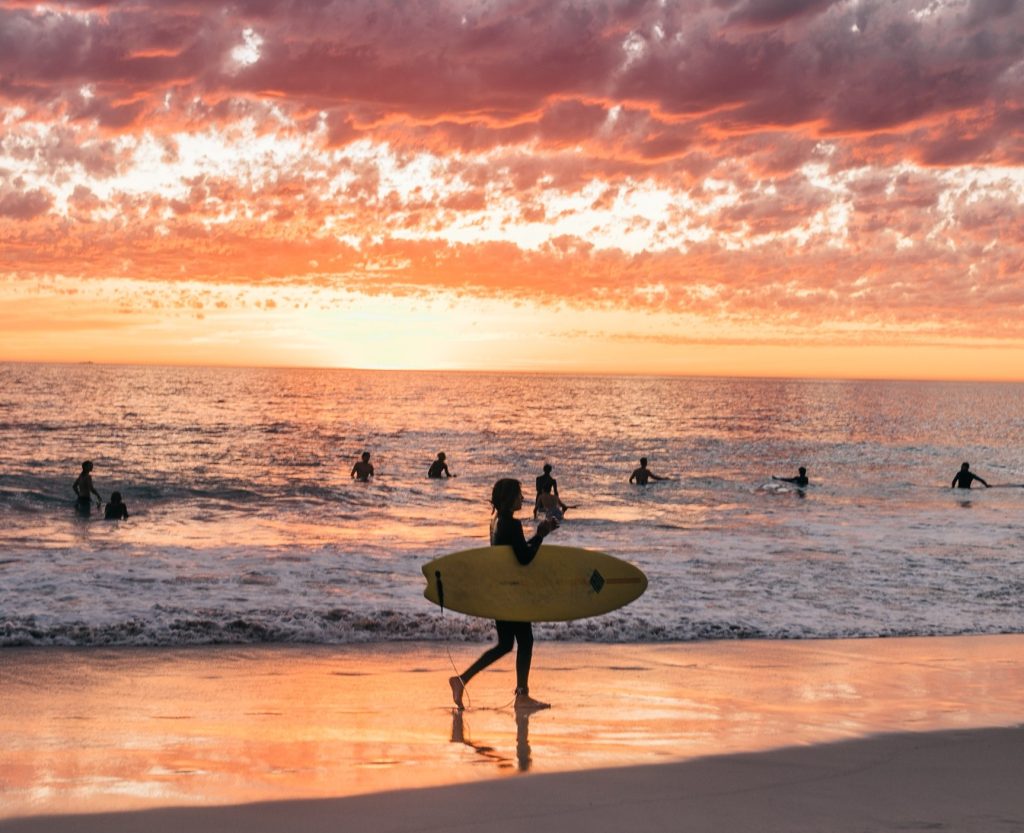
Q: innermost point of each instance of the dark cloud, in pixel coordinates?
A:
(20, 203)
(507, 71)
(775, 12)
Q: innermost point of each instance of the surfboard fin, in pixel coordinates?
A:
(596, 581)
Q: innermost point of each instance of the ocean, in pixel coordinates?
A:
(245, 526)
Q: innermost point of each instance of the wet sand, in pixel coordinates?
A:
(812, 735)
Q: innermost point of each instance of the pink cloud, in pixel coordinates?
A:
(553, 69)
(734, 109)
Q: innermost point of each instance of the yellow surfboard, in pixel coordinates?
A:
(561, 583)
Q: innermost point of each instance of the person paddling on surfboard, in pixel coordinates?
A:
(506, 530)
(800, 480)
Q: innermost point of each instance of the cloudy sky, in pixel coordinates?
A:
(780, 187)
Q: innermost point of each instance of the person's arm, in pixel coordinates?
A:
(509, 532)
(982, 482)
(632, 477)
(785, 479)
(353, 472)
(956, 477)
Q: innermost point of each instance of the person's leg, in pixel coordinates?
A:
(524, 658)
(506, 639)
(524, 655)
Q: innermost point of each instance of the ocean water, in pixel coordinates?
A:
(246, 527)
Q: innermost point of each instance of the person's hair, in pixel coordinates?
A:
(365, 455)
(802, 470)
(86, 465)
(504, 494)
(440, 455)
(115, 497)
(547, 468)
(643, 461)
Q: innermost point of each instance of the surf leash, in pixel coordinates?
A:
(467, 701)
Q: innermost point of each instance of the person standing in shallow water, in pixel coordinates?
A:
(547, 500)
(963, 478)
(439, 468)
(116, 509)
(363, 469)
(84, 490)
(642, 475)
(506, 530)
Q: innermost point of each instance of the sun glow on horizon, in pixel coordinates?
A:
(192, 323)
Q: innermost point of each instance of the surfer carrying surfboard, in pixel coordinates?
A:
(507, 530)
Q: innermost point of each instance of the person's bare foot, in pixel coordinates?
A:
(457, 688)
(525, 703)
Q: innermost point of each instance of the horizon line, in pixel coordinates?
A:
(523, 372)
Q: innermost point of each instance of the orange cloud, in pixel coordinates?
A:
(820, 165)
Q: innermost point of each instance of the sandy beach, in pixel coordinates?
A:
(892, 734)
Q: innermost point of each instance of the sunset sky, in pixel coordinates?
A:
(753, 187)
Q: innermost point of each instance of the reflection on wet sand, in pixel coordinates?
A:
(460, 734)
(96, 730)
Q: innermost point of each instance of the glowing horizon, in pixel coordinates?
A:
(730, 187)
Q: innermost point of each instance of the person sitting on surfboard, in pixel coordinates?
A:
(363, 469)
(550, 506)
(963, 478)
(547, 501)
(439, 467)
(641, 475)
(800, 480)
(507, 530)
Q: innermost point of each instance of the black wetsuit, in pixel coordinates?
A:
(116, 512)
(964, 479)
(509, 532)
(437, 468)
